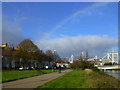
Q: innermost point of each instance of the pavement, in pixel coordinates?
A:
(33, 82)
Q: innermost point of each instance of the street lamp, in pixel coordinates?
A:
(54, 55)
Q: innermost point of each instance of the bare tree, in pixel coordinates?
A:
(49, 56)
(87, 56)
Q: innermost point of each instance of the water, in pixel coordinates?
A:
(114, 73)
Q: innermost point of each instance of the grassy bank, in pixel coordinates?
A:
(83, 79)
(11, 75)
(100, 80)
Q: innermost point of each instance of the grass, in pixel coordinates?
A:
(83, 79)
(72, 79)
(11, 75)
(100, 80)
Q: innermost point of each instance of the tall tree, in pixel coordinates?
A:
(87, 56)
(49, 56)
(7, 53)
(27, 50)
(56, 56)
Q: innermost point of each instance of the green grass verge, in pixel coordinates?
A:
(83, 79)
(11, 75)
(72, 79)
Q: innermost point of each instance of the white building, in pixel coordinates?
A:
(113, 56)
(62, 63)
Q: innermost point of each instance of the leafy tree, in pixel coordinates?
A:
(76, 64)
(7, 53)
(108, 64)
(27, 50)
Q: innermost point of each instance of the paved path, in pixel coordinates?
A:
(33, 82)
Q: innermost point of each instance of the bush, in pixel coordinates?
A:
(83, 65)
(108, 64)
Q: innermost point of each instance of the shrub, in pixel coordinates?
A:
(108, 64)
(83, 65)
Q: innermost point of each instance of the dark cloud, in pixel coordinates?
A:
(11, 32)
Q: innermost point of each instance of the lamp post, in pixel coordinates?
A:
(54, 55)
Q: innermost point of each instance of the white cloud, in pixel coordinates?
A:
(65, 46)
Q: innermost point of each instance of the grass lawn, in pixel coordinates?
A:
(83, 79)
(11, 75)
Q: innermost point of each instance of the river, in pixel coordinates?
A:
(114, 73)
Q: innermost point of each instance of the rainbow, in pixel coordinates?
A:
(75, 14)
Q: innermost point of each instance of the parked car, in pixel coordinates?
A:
(21, 68)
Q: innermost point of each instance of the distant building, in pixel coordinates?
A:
(62, 64)
(90, 59)
(113, 56)
(4, 45)
(93, 59)
(97, 62)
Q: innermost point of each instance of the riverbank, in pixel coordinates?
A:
(83, 79)
(101, 80)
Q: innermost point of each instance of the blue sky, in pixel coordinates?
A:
(42, 22)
